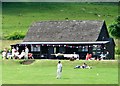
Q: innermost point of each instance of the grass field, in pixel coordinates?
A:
(44, 72)
(19, 16)
(7, 43)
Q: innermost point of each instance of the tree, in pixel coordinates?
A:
(114, 29)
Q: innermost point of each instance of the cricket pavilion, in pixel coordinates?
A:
(63, 39)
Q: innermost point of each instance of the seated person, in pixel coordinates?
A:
(84, 66)
(22, 54)
(30, 56)
(9, 55)
(16, 54)
(88, 56)
(107, 55)
(4, 53)
(102, 56)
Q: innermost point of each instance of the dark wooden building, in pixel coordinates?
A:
(46, 38)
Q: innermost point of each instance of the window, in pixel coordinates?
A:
(35, 48)
(83, 49)
(97, 49)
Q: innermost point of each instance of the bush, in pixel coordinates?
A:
(114, 29)
(15, 36)
(118, 51)
(1, 51)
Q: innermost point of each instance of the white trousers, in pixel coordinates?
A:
(58, 73)
(26, 56)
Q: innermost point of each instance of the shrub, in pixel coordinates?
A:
(118, 51)
(1, 51)
(15, 36)
(114, 29)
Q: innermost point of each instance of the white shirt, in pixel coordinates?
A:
(26, 50)
(4, 54)
(13, 51)
(22, 54)
(17, 53)
(59, 66)
(102, 55)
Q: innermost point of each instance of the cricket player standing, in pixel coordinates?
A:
(59, 70)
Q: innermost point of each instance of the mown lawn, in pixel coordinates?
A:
(44, 72)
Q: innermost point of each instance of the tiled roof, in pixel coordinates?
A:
(64, 31)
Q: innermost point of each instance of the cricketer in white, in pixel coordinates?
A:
(59, 70)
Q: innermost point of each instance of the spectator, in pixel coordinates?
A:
(16, 54)
(107, 55)
(13, 52)
(30, 56)
(102, 56)
(84, 66)
(4, 54)
(88, 56)
(26, 52)
(22, 54)
(9, 55)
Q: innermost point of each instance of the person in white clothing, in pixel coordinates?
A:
(13, 52)
(22, 54)
(4, 54)
(59, 70)
(26, 52)
(16, 54)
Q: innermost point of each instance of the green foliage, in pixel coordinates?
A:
(114, 29)
(117, 51)
(24, 14)
(118, 19)
(1, 51)
(15, 36)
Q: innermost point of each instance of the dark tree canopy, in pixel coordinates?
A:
(115, 28)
